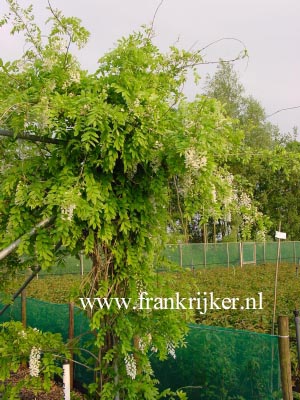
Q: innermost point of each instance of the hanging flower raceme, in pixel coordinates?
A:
(34, 361)
(130, 365)
(171, 349)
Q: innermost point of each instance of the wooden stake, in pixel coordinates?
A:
(284, 356)
(180, 252)
(275, 287)
(81, 263)
(241, 254)
(228, 258)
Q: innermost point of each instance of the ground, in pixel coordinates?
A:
(55, 393)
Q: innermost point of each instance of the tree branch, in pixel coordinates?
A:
(282, 109)
(30, 137)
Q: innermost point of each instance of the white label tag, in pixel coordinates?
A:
(280, 235)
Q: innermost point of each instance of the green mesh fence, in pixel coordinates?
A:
(217, 363)
(222, 363)
(71, 265)
(199, 255)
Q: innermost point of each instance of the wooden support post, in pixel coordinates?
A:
(284, 356)
(180, 253)
(275, 287)
(71, 336)
(241, 254)
(228, 258)
(23, 308)
(81, 263)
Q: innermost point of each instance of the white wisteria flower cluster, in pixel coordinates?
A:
(130, 365)
(68, 212)
(34, 361)
(193, 160)
(171, 349)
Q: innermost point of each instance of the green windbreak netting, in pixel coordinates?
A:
(205, 255)
(201, 255)
(227, 364)
(70, 265)
(217, 363)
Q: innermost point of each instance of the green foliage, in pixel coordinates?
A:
(267, 167)
(16, 348)
(129, 147)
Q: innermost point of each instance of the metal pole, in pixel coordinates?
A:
(5, 252)
(28, 280)
(71, 337)
(26, 283)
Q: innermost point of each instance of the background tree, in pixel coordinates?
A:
(268, 162)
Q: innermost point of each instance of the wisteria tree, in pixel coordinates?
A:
(104, 153)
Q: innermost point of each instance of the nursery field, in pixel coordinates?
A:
(247, 282)
(231, 282)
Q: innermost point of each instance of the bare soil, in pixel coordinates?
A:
(56, 392)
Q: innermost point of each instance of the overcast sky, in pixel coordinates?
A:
(270, 30)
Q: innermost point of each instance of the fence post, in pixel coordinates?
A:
(180, 253)
(241, 254)
(71, 336)
(284, 356)
(81, 263)
(23, 308)
(228, 259)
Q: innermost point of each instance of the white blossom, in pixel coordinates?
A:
(228, 217)
(34, 361)
(245, 200)
(74, 76)
(68, 212)
(193, 160)
(171, 349)
(154, 349)
(140, 286)
(142, 345)
(23, 334)
(130, 365)
(214, 195)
